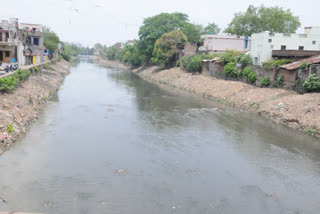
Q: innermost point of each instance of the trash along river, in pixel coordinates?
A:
(114, 143)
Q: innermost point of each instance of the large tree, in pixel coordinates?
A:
(211, 28)
(167, 47)
(50, 40)
(153, 27)
(192, 31)
(258, 19)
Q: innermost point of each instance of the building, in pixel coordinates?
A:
(221, 43)
(266, 45)
(11, 47)
(32, 36)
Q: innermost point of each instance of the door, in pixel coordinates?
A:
(1, 56)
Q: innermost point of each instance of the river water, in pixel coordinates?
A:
(115, 143)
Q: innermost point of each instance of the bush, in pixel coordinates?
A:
(246, 71)
(229, 56)
(276, 63)
(312, 83)
(231, 69)
(47, 66)
(22, 75)
(279, 78)
(303, 66)
(252, 77)
(8, 84)
(192, 63)
(265, 81)
(35, 69)
(210, 56)
(245, 60)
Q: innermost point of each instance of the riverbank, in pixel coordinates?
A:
(301, 112)
(19, 110)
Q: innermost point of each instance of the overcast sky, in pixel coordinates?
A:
(110, 21)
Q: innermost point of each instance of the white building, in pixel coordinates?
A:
(262, 44)
(221, 43)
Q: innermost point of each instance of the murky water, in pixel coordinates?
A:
(117, 144)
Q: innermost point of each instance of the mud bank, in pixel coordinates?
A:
(20, 109)
(301, 112)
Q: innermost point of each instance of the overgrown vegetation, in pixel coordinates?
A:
(265, 81)
(229, 56)
(231, 69)
(279, 78)
(276, 63)
(246, 71)
(312, 83)
(252, 77)
(9, 84)
(244, 60)
(192, 63)
(303, 66)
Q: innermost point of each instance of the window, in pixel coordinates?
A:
(270, 40)
(313, 42)
(301, 48)
(283, 47)
(36, 41)
(271, 34)
(28, 40)
(7, 54)
(287, 35)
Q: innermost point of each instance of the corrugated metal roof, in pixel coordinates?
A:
(296, 65)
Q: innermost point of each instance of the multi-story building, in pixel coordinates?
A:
(266, 45)
(32, 36)
(11, 47)
(221, 43)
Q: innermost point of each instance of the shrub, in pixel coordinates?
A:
(178, 63)
(229, 56)
(252, 77)
(47, 66)
(210, 56)
(245, 60)
(312, 83)
(10, 128)
(279, 78)
(231, 69)
(303, 66)
(192, 63)
(276, 63)
(265, 81)
(8, 84)
(22, 75)
(246, 71)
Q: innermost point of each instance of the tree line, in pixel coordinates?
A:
(163, 36)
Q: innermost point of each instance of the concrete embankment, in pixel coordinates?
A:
(301, 112)
(19, 110)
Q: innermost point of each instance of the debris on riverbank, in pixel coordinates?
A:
(301, 112)
(18, 110)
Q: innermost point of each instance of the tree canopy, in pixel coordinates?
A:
(192, 31)
(258, 19)
(211, 28)
(167, 48)
(153, 27)
(50, 40)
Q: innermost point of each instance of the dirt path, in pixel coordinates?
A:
(301, 112)
(21, 108)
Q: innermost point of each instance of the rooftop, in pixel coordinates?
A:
(295, 65)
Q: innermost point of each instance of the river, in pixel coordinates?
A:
(114, 143)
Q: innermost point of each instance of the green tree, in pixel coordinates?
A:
(50, 40)
(111, 52)
(132, 55)
(193, 32)
(153, 27)
(258, 19)
(167, 48)
(211, 28)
